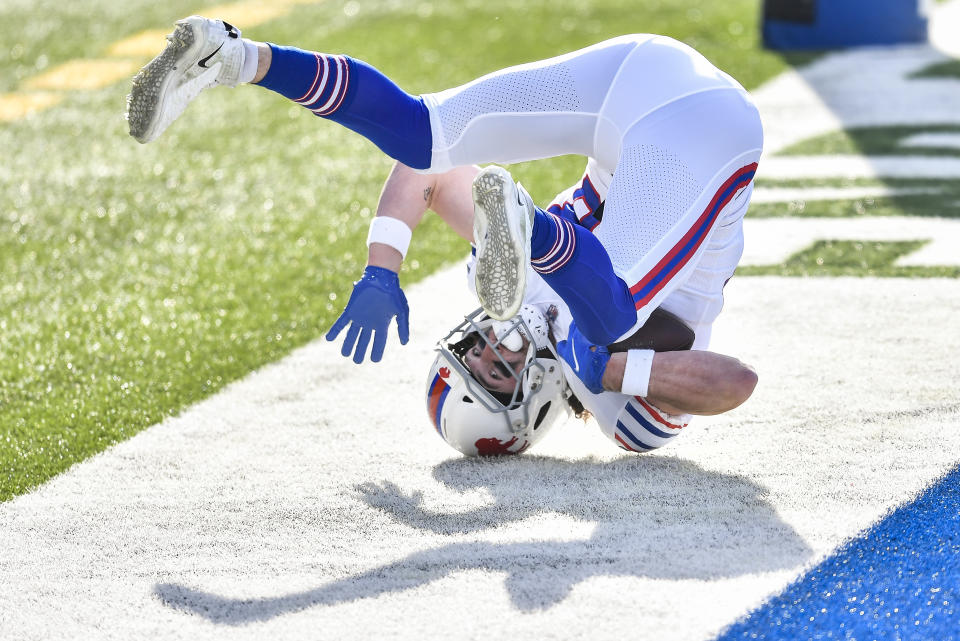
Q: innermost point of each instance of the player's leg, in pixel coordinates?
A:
(536, 110)
(670, 122)
(684, 137)
(356, 95)
(658, 221)
(510, 233)
(576, 265)
(204, 53)
(671, 188)
(698, 300)
(527, 112)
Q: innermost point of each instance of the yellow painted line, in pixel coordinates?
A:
(251, 14)
(83, 74)
(124, 58)
(15, 106)
(145, 44)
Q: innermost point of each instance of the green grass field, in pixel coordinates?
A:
(138, 280)
(921, 197)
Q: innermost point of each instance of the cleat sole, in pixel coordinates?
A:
(501, 269)
(145, 102)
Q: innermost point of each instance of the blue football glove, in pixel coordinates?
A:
(587, 360)
(375, 300)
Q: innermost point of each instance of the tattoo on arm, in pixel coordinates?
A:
(427, 195)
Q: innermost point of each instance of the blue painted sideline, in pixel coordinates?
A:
(898, 580)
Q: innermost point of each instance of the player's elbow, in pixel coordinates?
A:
(742, 382)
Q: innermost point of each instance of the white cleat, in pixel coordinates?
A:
(201, 53)
(502, 225)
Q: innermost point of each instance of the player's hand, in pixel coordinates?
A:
(375, 300)
(588, 361)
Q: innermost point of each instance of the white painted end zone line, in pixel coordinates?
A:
(315, 495)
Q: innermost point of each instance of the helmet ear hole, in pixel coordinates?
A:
(467, 399)
(542, 415)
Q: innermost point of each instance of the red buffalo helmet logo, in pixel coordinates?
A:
(444, 372)
(496, 447)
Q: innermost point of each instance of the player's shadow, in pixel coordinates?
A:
(655, 517)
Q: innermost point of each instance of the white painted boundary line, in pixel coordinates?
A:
(770, 241)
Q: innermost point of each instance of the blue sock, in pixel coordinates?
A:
(578, 268)
(358, 97)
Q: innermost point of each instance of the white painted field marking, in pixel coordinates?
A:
(849, 166)
(763, 194)
(770, 241)
(315, 495)
(941, 140)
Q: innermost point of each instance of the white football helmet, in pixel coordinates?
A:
(478, 422)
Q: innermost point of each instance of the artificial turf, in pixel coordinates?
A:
(876, 141)
(138, 280)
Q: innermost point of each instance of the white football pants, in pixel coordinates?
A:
(680, 138)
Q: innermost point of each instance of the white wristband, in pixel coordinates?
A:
(390, 231)
(636, 373)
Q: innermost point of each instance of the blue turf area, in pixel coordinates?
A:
(898, 580)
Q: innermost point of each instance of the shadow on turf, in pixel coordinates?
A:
(656, 517)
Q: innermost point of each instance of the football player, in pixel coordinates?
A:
(672, 142)
(497, 387)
